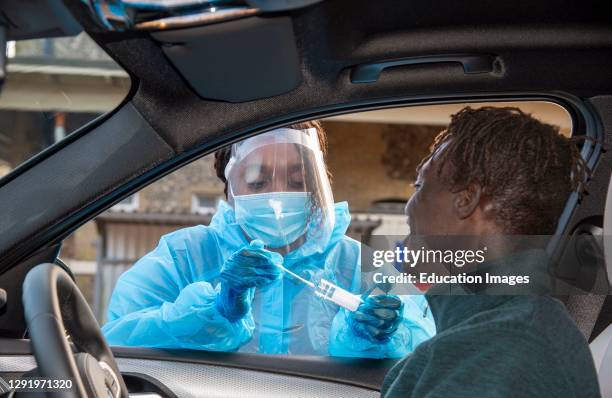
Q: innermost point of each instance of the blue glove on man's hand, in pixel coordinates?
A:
(377, 318)
(251, 266)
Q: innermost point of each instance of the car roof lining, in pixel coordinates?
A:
(167, 101)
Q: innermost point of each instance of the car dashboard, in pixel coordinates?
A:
(157, 373)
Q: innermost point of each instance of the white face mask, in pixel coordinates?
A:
(276, 218)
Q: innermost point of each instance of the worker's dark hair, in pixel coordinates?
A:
(525, 167)
(222, 156)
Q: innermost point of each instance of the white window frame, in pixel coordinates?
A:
(203, 210)
(129, 207)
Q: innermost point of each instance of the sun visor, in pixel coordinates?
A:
(236, 61)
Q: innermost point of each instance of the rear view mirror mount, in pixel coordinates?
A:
(159, 15)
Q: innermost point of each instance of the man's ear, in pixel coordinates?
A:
(466, 201)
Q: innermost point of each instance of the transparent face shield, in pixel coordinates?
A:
(279, 188)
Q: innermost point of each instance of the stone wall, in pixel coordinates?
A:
(173, 193)
(364, 161)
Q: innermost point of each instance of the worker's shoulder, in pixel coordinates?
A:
(345, 242)
(185, 238)
(189, 231)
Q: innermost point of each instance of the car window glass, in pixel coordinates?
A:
(52, 88)
(152, 266)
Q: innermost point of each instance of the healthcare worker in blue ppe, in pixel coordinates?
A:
(248, 281)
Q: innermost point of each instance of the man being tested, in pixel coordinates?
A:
(494, 172)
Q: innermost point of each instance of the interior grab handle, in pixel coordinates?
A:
(471, 63)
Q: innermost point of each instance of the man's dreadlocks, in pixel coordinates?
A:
(525, 167)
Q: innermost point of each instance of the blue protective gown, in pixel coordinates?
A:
(167, 299)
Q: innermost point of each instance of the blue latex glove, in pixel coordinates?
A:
(377, 318)
(250, 267)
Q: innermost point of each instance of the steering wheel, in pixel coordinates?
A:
(54, 305)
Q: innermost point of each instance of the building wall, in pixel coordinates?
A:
(355, 159)
(82, 245)
(173, 193)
